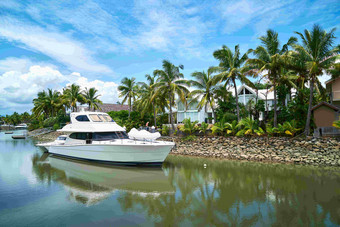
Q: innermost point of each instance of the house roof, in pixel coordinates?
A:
(107, 107)
(331, 80)
(336, 108)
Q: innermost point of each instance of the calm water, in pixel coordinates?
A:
(41, 190)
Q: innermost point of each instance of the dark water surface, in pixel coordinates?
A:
(41, 190)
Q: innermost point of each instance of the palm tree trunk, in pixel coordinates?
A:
(171, 122)
(309, 113)
(275, 106)
(154, 113)
(237, 106)
(213, 112)
(129, 106)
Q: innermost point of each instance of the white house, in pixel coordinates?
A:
(245, 94)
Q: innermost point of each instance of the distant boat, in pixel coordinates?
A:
(19, 137)
(21, 126)
(9, 132)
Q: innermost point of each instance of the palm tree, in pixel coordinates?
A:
(147, 99)
(53, 101)
(230, 69)
(170, 80)
(205, 84)
(320, 56)
(270, 58)
(128, 91)
(40, 104)
(72, 95)
(91, 98)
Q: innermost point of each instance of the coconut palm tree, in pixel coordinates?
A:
(320, 56)
(147, 100)
(40, 104)
(53, 100)
(92, 98)
(48, 103)
(170, 80)
(72, 94)
(269, 58)
(204, 94)
(128, 91)
(230, 69)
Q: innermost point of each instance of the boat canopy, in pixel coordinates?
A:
(91, 122)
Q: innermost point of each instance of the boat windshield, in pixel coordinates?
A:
(101, 118)
(95, 118)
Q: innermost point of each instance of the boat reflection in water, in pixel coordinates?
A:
(90, 183)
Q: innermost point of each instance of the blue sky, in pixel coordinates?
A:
(49, 44)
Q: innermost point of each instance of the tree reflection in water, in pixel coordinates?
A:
(225, 193)
(242, 194)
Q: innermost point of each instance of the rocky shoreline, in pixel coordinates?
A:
(306, 151)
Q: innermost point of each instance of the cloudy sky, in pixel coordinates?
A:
(49, 44)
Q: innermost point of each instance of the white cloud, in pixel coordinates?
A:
(18, 89)
(107, 90)
(53, 44)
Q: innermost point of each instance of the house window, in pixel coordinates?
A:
(247, 92)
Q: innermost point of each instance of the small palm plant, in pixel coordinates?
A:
(248, 127)
(291, 128)
(280, 129)
(188, 127)
(270, 130)
(336, 124)
(219, 128)
(232, 128)
(203, 128)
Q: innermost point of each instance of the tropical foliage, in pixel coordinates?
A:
(290, 69)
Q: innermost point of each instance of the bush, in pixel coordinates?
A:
(189, 138)
(165, 130)
(229, 117)
(49, 122)
(56, 127)
(188, 127)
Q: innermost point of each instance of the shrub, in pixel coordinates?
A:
(336, 124)
(188, 127)
(203, 128)
(56, 127)
(49, 122)
(165, 130)
(189, 138)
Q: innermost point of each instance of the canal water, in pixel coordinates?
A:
(37, 189)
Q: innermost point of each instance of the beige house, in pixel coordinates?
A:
(333, 88)
(326, 113)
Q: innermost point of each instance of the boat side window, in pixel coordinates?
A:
(95, 118)
(61, 138)
(82, 118)
(122, 135)
(78, 136)
(99, 136)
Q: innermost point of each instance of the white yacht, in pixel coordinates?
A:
(95, 136)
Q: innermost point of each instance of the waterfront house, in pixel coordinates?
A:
(245, 94)
(326, 113)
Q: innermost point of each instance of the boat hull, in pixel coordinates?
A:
(117, 154)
